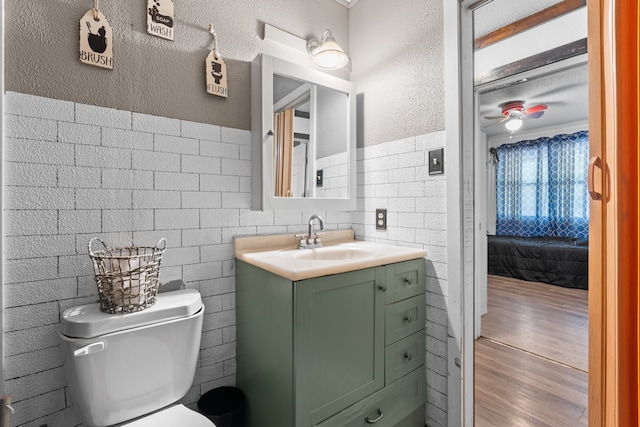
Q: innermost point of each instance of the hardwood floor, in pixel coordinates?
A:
(547, 320)
(531, 361)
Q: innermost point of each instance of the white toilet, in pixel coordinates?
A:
(130, 369)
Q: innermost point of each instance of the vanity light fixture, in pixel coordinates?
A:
(326, 53)
(513, 124)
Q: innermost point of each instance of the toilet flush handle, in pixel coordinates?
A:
(88, 349)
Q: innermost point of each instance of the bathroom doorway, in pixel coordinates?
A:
(560, 91)
(614, 238)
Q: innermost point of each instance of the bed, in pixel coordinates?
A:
(561, 261)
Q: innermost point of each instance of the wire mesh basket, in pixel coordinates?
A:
(127, 277)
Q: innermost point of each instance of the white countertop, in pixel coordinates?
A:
(279, 254)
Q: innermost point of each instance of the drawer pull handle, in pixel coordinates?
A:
(408, 356)
(407, 280)
(408, 318)
(375, 420)
(383, 288)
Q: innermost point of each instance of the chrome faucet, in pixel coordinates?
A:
(311, 234)
(311, 240)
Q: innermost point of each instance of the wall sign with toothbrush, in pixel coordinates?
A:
(216, 69)
(160, 18)
(96, 39)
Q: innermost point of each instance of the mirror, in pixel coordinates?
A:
(303, 125)
(291, 134)
(310, 140)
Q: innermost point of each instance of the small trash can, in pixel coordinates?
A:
(225, 406)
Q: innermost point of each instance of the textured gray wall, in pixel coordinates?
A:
(398, 67)
(153, 75)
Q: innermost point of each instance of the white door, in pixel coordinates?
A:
(299, 170)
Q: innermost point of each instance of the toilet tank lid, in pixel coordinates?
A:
(87, 321)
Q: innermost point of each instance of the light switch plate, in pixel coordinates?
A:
(436, 161)
(381, 219)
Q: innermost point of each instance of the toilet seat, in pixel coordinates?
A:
(177, 415)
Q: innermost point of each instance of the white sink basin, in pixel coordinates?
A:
(341, 253)
(329, 253)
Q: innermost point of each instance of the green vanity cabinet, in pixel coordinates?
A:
(337, 350)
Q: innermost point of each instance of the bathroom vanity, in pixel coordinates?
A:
(330, 342)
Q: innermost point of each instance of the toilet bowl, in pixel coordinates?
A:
(174, 416)
(131, 369)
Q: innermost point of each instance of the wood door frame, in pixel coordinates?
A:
(597, 297)
(627, 38)
(613, 247)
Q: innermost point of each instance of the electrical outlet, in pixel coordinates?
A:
(381, 219)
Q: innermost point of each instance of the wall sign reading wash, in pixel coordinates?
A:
(96, 40)
(160, 18)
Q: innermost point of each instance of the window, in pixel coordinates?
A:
(541, 187)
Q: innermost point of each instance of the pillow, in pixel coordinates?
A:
(581, 241)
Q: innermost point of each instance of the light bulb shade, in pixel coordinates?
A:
(513, 124)
(327, 54)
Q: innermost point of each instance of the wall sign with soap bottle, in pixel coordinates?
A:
(160, 18)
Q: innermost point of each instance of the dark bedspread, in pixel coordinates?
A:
(559, 261)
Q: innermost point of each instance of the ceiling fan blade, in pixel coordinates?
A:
(489, 125)
(535, 109)
(496, 122)
(494, 117)
(534, 115)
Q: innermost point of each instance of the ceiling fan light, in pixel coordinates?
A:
(513, 124)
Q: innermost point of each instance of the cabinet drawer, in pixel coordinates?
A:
(403, 357)
(389, 405)
(405, 280)
(404, 318)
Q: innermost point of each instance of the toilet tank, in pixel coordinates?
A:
(122, 366)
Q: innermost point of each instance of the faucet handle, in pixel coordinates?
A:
(316, 239)
(302, 240)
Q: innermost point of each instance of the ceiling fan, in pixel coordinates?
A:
(513, 113)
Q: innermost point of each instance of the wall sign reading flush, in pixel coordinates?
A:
(436, 161)
(216, 70)
(216, 75)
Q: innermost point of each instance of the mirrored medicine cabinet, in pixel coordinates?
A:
(303, 138)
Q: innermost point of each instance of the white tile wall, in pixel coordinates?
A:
(73, 172)
(394, 176)
(335, 179)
